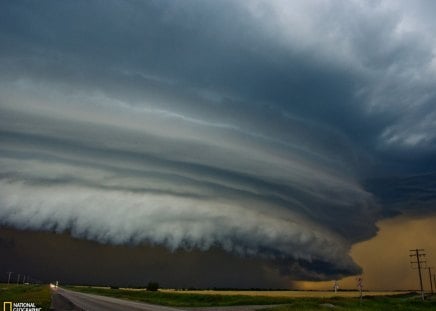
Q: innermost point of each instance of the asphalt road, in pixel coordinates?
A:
(63, 300)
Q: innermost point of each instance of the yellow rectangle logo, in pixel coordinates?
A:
(6, 304)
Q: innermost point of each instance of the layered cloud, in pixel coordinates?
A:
(257, 127)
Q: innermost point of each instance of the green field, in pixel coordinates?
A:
(378, 303)
(181, 299)
(39, 294)
(399, 302)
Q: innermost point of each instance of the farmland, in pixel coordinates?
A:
(38, 294)
(272, 300)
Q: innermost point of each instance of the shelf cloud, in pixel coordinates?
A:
(271, 130)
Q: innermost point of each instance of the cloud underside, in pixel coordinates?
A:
(245, 126)
(130, 186)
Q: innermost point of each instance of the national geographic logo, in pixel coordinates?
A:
(7, 306)
(20, 306)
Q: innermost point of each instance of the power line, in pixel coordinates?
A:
(418, 254)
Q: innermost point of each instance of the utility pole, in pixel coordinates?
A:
(434, 280)
(420, 263)
(336, 286)
(431, 282)
(18, 279)
(360, 287)
(9, 276)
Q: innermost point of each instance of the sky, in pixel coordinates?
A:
(385, 259)
(273, 135)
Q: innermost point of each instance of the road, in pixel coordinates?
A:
(63, 300)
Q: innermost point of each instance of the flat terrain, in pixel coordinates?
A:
(179, 299)
(377, 303)
(104, 298)
(286, 293)
(252, 300)
(80, 301)
(39, 294)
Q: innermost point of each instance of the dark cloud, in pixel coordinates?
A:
(265, 129)
(50, 257)
(411, 194)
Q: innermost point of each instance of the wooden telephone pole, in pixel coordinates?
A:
(431, 281)
(419, 263)
(9, 276)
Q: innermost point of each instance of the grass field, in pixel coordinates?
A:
(39, 294)
(378, 303)
(285, 300)
(288, 293)
(177, 299)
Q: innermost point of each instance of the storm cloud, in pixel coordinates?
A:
(266, 129)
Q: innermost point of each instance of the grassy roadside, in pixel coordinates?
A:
(182, 300)
(399, 302)
(39, 294)
(405, 303)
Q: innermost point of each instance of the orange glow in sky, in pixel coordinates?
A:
(385, 258)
